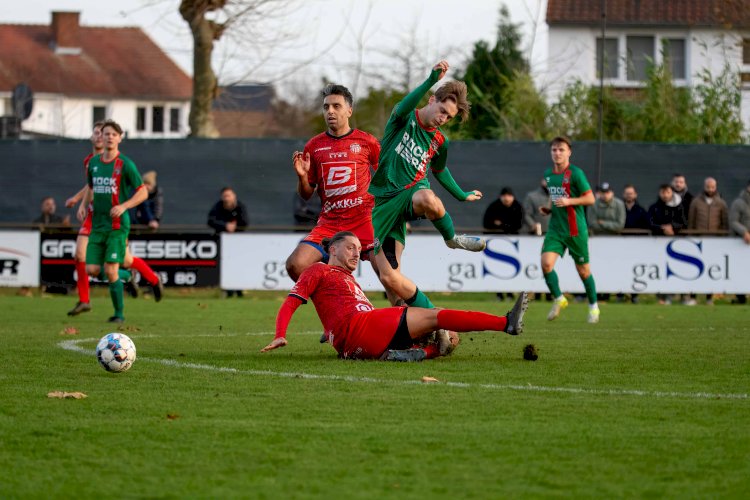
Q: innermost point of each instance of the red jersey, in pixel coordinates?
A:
(334, 292)
(340, 169)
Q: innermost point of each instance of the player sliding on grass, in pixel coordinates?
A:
(85, 216)
(412, 143)
(569, 193)
(359, 331)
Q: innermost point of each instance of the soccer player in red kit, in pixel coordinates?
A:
(337, 164)
(85, 212)
(359, 331)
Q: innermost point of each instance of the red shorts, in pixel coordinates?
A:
(86, 226)
(324, 229)
(367, 334)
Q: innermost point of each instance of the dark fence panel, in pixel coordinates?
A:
(192, 171)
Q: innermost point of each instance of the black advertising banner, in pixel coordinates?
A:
(179, 259)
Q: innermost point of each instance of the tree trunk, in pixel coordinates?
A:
(204, 79)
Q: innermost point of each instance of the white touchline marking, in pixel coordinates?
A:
(72, 345)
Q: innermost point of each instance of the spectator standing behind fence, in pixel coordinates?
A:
(504, 214)
(228, 215)
(536, 222)
(48, 215)
(666, 217)
(708, 214)
(149, 212)
(636, 217)
(680, 187)
(739, 222)
(607, 214)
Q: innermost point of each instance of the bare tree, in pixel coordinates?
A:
(209, 20)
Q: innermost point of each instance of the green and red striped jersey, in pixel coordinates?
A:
(570, 183)
(111, 182)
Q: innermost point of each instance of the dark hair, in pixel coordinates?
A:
(333, 89)
(111, 123)
(506, 190)
(48, 198)
(677, 175)
(665, 186)
(626, 186)
(340, 236)
(99, 124)
(226, 188)
(561, 139)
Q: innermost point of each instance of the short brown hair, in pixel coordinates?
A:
(98, 125)
(455, 90)
(561, 139)
(111, 123)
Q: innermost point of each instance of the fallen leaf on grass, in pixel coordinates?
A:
(429, 380)
(131, 328)
(202, 306)
(66, 395)
(70, 330)
(172, 416)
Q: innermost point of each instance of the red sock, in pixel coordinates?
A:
(470, 321)
(431, 350)
(147, 273)
(83, 282)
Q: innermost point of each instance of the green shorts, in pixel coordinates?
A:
(578, 246)
(106, 247)
(390, 215)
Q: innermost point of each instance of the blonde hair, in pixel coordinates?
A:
(149, 178)
(456, 91)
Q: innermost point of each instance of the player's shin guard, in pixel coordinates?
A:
(143, 268)
(553, 283)
(419, 300)
(590, 286)
(115, 293)
(445, 226)
(83, 283)
(470, 321)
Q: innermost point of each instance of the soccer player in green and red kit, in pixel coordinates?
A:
(569, 193)
(111, 175)
(412, 143)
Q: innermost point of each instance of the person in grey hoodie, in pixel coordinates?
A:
(607, 214)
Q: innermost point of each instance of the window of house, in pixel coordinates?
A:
(157, 119)
(674, 57)
(746, 51)
(140, 119)
(174, 119)
(610, 57)
(640, 50)
(99, 114)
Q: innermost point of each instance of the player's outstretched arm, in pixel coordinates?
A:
(286, 311)
(71, 202)
(446, 180)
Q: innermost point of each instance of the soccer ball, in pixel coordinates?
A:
(115, 352)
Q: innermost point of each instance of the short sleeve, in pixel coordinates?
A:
(132, 177)
(307, 282)
(581, 182)
(374, 157)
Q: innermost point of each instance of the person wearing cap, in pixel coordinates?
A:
(505, 214)
(607, 214)
(739, 222)
(149, 212)
(569, 192)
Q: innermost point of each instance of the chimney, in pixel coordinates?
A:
(65, 32)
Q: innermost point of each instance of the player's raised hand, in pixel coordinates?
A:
(301, 163)
(275, 344)
(443, 67)
(474, 196)
(70, 202)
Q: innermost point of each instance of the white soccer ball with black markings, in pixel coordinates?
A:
(115, 352)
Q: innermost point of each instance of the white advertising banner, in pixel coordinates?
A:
(511, 263)
(19, 258)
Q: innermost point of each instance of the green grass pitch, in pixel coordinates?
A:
(651, 402)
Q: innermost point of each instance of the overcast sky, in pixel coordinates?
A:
(359, 39)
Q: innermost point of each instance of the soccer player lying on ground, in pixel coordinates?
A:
(411, 143)
(359, 331)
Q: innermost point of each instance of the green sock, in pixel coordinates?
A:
(115, 292)
(445, 225)
(590, 289)
(553, 283)
(419, 300)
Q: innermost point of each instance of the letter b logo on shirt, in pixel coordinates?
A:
(338, 175)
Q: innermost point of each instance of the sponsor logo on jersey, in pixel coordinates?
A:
(338, 154)
(556, 192)
(325, 148)
(413, 154)
(355, 148)
(339, 178)
(104, 185)
(344, 204)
